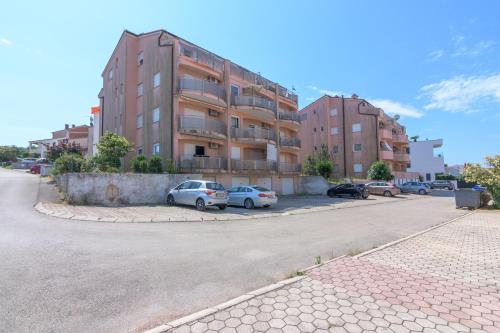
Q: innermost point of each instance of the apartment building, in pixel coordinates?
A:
(209, 115)
(425, 160)
(73, 134)
(356, 133)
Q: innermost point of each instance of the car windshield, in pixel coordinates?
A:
(214, 186)
(260, 188)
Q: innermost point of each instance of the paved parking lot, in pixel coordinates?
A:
(445, 280)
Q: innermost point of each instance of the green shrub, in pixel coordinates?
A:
(155, 165)
(324, 168)
(488, 176)
(140, 164)
(379, 171)
(68, 163)
(100, 163)
(111, 148)
(309, 167)
(170, 166)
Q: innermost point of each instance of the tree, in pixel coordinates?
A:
(488, 177)
(8, 154)
(155, 165)
(61, 148)
(379, 171)
(111, 148)
(324, 168)
(320, 164)
(414, 138)
(140, 164)
(309, 167)
(68, 163)
(170, 166)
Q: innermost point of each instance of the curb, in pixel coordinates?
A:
(411, 236)
(206, 312)
(68, 216)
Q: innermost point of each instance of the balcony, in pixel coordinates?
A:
(253, 165)
(211, 128)
(289, 116)
(260, 107)
(400, 138)
(202, 90)
(385, 134)
(283, 92)
(401, 157)
(290, 167)
(290, 142)
(199, 57)
(386, 155)
(192, 163)
(252, 134)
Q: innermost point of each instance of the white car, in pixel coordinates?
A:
(252, 196)
(198, 193)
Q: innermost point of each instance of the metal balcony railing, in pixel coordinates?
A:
(202, 86)
(290, 142)
(287, 115)
(191, 123)
(287, 94)
(255, 101)
(401, 157)
(253, 165)
(290, 167)
(202, 162)
(202, 56)
(253, 133)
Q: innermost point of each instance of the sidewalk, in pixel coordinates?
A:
(290, 205)
(443, 280)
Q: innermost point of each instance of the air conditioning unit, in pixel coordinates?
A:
(213, 145)
(213, 113)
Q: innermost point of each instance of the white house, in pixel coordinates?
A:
(424, 160)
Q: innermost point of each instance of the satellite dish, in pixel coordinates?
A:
(396, 117)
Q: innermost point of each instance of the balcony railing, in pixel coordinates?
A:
(290, 142)
(403, 138)
(202, 125)
(253, 165)
(401, 157)
(254, 101)
(202, 162)
(287, 94)
(202, 57)
(202, 86)
(290, 167)
(385, 134)
(287, 115)
(253, 133)
(386, 155)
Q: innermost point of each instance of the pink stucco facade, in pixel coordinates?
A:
(207, 114)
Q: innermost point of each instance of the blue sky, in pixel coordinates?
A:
(436, 63)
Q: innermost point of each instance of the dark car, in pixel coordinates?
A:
(35, 168)
(442, 184)
(352, 190)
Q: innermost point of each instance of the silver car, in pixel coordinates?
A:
(198, 193)
(251, 196)
(415, 187)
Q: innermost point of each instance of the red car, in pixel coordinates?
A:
(36, 168)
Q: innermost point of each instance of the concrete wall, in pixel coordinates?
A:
(118, 188)
(313, 185)
(423, 159)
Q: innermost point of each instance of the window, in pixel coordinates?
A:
(334, 130)
(156, 149)
(314, 111)
(214, 186)
(156, 80)
(110, 74)
(235, 90)
(156, 115)
(358, 167)
(427, 176)
(184, 186)
(194, 185)
(315, 148)
(356, 147)
(199, 151)
(235, 122)
(333, 112)
(140, 89)
(314, 129)
(321, 128)
(356, 127)
(140, 58)
(140, 121)
(139, 151)
(335, 149)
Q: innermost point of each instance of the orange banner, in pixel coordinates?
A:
(95, 109)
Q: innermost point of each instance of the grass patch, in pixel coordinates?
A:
(294, 274)
(354, 252)
(318, 260)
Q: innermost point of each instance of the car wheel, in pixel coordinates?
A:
(222, 207)
(170, 200)
(387, 194)
(200, 204)
(421, 192)
(249, 203)
(330, 194)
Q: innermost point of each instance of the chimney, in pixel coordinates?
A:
(66, 126)
(354, 96)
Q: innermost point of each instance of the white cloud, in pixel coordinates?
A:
(435, 55)
(392, 107)
(324, 91)
(461, 49)
(5, 42)
(463, 94)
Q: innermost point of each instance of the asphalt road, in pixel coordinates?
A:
(73, 276)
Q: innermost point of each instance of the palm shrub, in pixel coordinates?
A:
(170, 166)
(155, 165)
(140, 164)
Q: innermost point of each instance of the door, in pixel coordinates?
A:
(287, 186)
(189, 149)
(192, 193)
(180, 192)
(264, 182)
(239, 181)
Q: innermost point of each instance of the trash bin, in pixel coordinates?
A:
(466, 197)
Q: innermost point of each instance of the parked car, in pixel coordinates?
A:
(251, 196)
(415, 187)
(35, 168)
(479, 188)
(382, 188)
(198, 193)
(353, 190)
(442, 184)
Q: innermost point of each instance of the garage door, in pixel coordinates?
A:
(238, 181)
(264, 182)
(287, 186)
